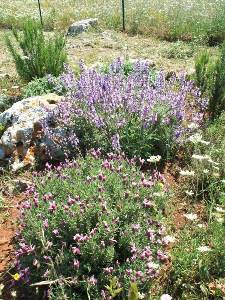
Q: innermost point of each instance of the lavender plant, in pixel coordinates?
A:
(92, 227)
(127, 111)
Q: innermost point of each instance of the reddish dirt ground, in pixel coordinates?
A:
(7, 231)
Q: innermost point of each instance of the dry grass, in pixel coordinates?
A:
(169, 19)
(95, 47)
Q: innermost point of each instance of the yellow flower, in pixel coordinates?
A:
(161, 185)
(16, 276)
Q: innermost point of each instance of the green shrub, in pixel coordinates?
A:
(36, 87)
(39, 56)
(41, 86)
(89, 225)
(210, 77)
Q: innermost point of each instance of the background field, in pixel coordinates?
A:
(168, 19)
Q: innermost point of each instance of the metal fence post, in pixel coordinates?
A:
(123, 14)
(39, 6)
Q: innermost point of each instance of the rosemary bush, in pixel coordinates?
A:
(210, 77)
(39, 56)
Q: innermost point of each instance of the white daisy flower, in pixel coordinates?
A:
(189, 193)
(168, 239)
(201, 225)
(193, 126)
(220, 209)
(154, 158)
(201, 157)
(204, 249)
(191, 217)
(187, 173)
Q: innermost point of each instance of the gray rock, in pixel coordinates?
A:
(81, 26)
(23, 129)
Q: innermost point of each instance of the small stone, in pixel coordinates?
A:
(81, 26)
(24, 129)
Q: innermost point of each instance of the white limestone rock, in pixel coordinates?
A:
(23, 127)
(81, 26)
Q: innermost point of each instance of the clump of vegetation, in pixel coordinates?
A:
(38, 55)
(41, 86)
(210, 77)
(201, 20)
(98, 228)
(205, 174)
(128, 109)
(2, 129)
(179, 50)
(7, 101)
(37, 87)
(198, 261)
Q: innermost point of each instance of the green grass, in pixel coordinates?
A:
(192, 270)
(186, 20)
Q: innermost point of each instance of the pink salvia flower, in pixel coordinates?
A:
(76, 250)
(52, 206)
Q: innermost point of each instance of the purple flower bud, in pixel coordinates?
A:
(108, 270)
(129, 272)
(161, 256)
(56, 232)
(76, 250)
(92, 280)
(71, 201)
(45, 223)
(76, 264)
(101, 177)
(138, 274)
(52, 206)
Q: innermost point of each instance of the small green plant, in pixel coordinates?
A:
(39, 86)
(201, 70)
(133, 291)
(39, 56)
(210, 78)
(2, 129)
(113, 287)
